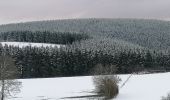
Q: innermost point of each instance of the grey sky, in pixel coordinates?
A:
(30, 10)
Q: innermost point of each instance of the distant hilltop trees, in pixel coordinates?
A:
(152, 34)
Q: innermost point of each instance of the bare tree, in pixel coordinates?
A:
(8, 73)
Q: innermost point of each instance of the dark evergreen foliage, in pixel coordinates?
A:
(42, 37)
(33, 62)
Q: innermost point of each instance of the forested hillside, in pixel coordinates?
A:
(129, 44)
(146, 33)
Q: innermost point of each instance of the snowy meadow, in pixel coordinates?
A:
(139, 87)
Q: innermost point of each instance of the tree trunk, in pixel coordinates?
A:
(2, 90)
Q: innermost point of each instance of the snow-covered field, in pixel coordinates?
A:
(139, 87)
(24, 44)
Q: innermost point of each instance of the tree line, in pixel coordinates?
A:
(43, 37)
(33, 62)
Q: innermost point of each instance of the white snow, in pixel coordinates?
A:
(54, 88)
(24, 44)
(145, 87)
(139, 87)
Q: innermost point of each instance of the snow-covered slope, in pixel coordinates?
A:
(139, 87)
(23, 44)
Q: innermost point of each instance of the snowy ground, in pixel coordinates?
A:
(145, 87)
(139, 87)
(24, 44)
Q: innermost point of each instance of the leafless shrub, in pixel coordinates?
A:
(106, 83)
(106, 86)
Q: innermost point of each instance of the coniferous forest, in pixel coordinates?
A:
(129, 44)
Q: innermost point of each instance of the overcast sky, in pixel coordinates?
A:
(31, 10)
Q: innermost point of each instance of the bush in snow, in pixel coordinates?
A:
(106, 84)
(167, 97)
